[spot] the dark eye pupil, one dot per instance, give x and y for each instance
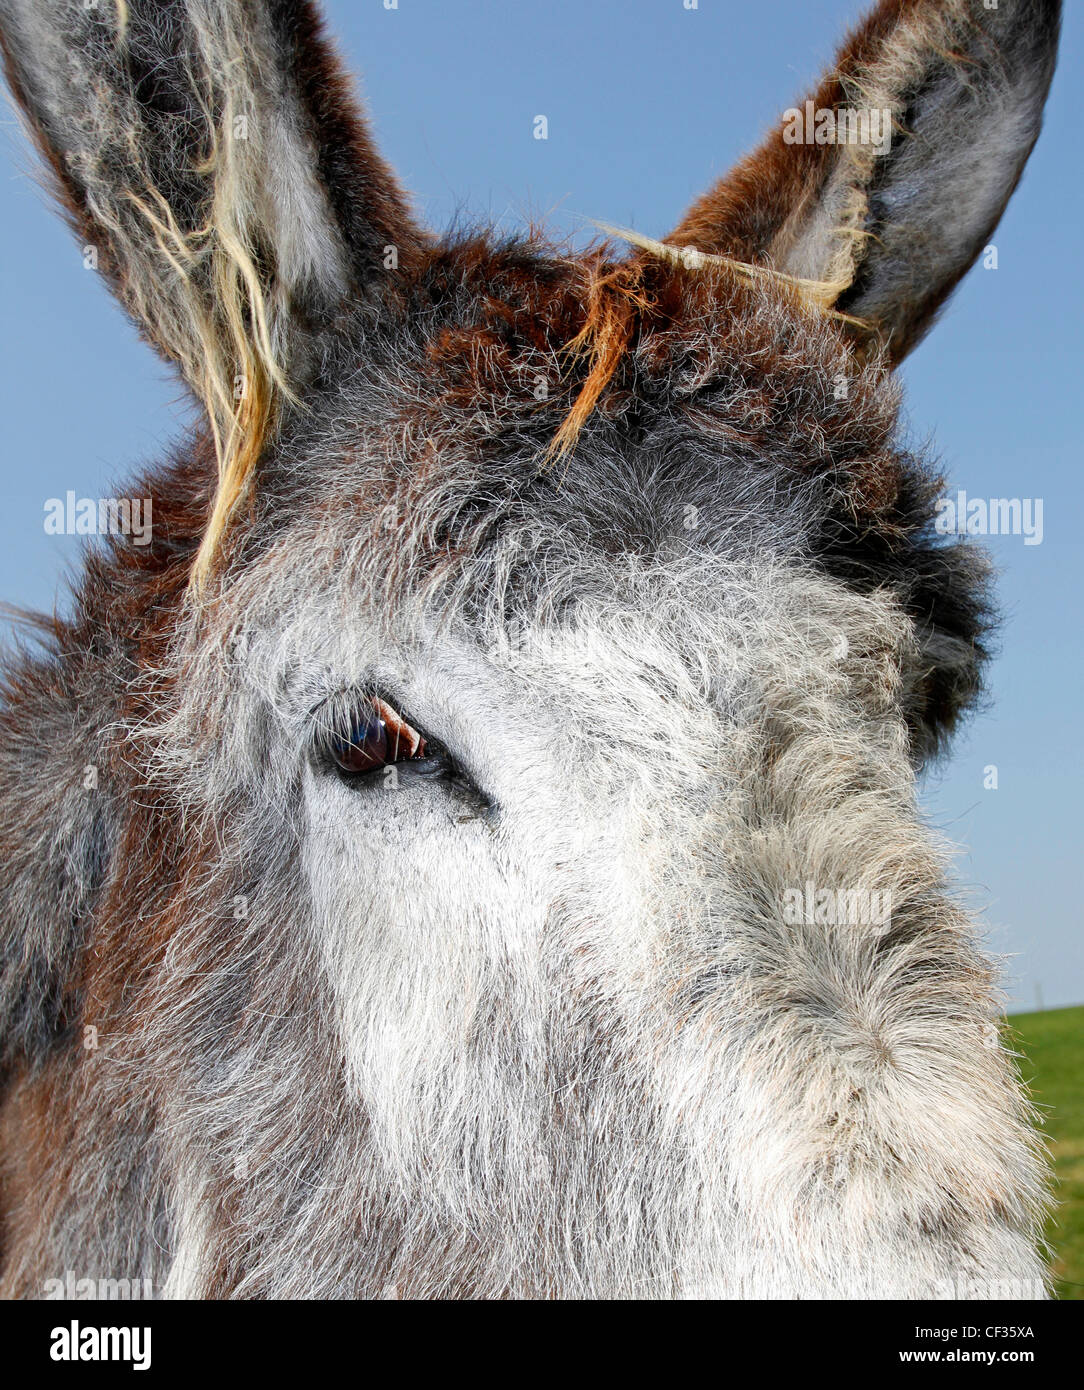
(367, 746)
(378, 735)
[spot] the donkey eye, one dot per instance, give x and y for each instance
(376, 736)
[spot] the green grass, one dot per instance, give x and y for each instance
(1053, 1064)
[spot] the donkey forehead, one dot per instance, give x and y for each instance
(535, 617)
(736, 411)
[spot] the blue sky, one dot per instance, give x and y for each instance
(646, 101)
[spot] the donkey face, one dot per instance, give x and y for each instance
(504, 875)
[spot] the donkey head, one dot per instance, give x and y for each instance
(473, 849)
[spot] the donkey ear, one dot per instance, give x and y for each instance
(887, 183)
(212, 156)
